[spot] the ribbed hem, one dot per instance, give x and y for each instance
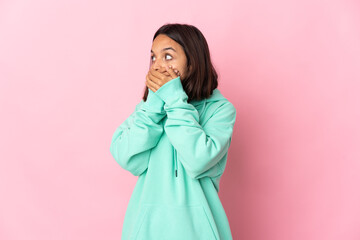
(153, 103)
(171, 91)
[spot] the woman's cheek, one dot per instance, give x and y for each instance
(175, 67)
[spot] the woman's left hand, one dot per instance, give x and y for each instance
(155, 79)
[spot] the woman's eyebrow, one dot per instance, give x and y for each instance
(168, 48)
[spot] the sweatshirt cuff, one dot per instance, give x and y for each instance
(171, 91)
(153, 103)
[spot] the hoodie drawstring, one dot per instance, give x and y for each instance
(175, 162)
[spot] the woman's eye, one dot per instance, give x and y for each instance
(152, 57)
(169, 55)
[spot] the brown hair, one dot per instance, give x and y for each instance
(202, 80)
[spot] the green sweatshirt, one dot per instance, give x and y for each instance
(178, 150)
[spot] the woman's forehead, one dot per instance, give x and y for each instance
(162, 43)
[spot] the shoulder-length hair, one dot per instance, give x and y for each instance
(202, 79)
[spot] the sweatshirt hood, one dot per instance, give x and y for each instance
(215, 96)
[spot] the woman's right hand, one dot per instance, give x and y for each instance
(152, 81)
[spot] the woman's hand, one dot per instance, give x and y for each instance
(155, 79)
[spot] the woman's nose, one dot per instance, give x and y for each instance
(157, 65)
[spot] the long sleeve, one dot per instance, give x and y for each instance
(133, 140)
(200, 147)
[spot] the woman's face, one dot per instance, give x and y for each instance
(166, 52)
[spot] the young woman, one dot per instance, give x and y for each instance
(176, 141)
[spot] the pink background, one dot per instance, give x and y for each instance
(72, 71)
